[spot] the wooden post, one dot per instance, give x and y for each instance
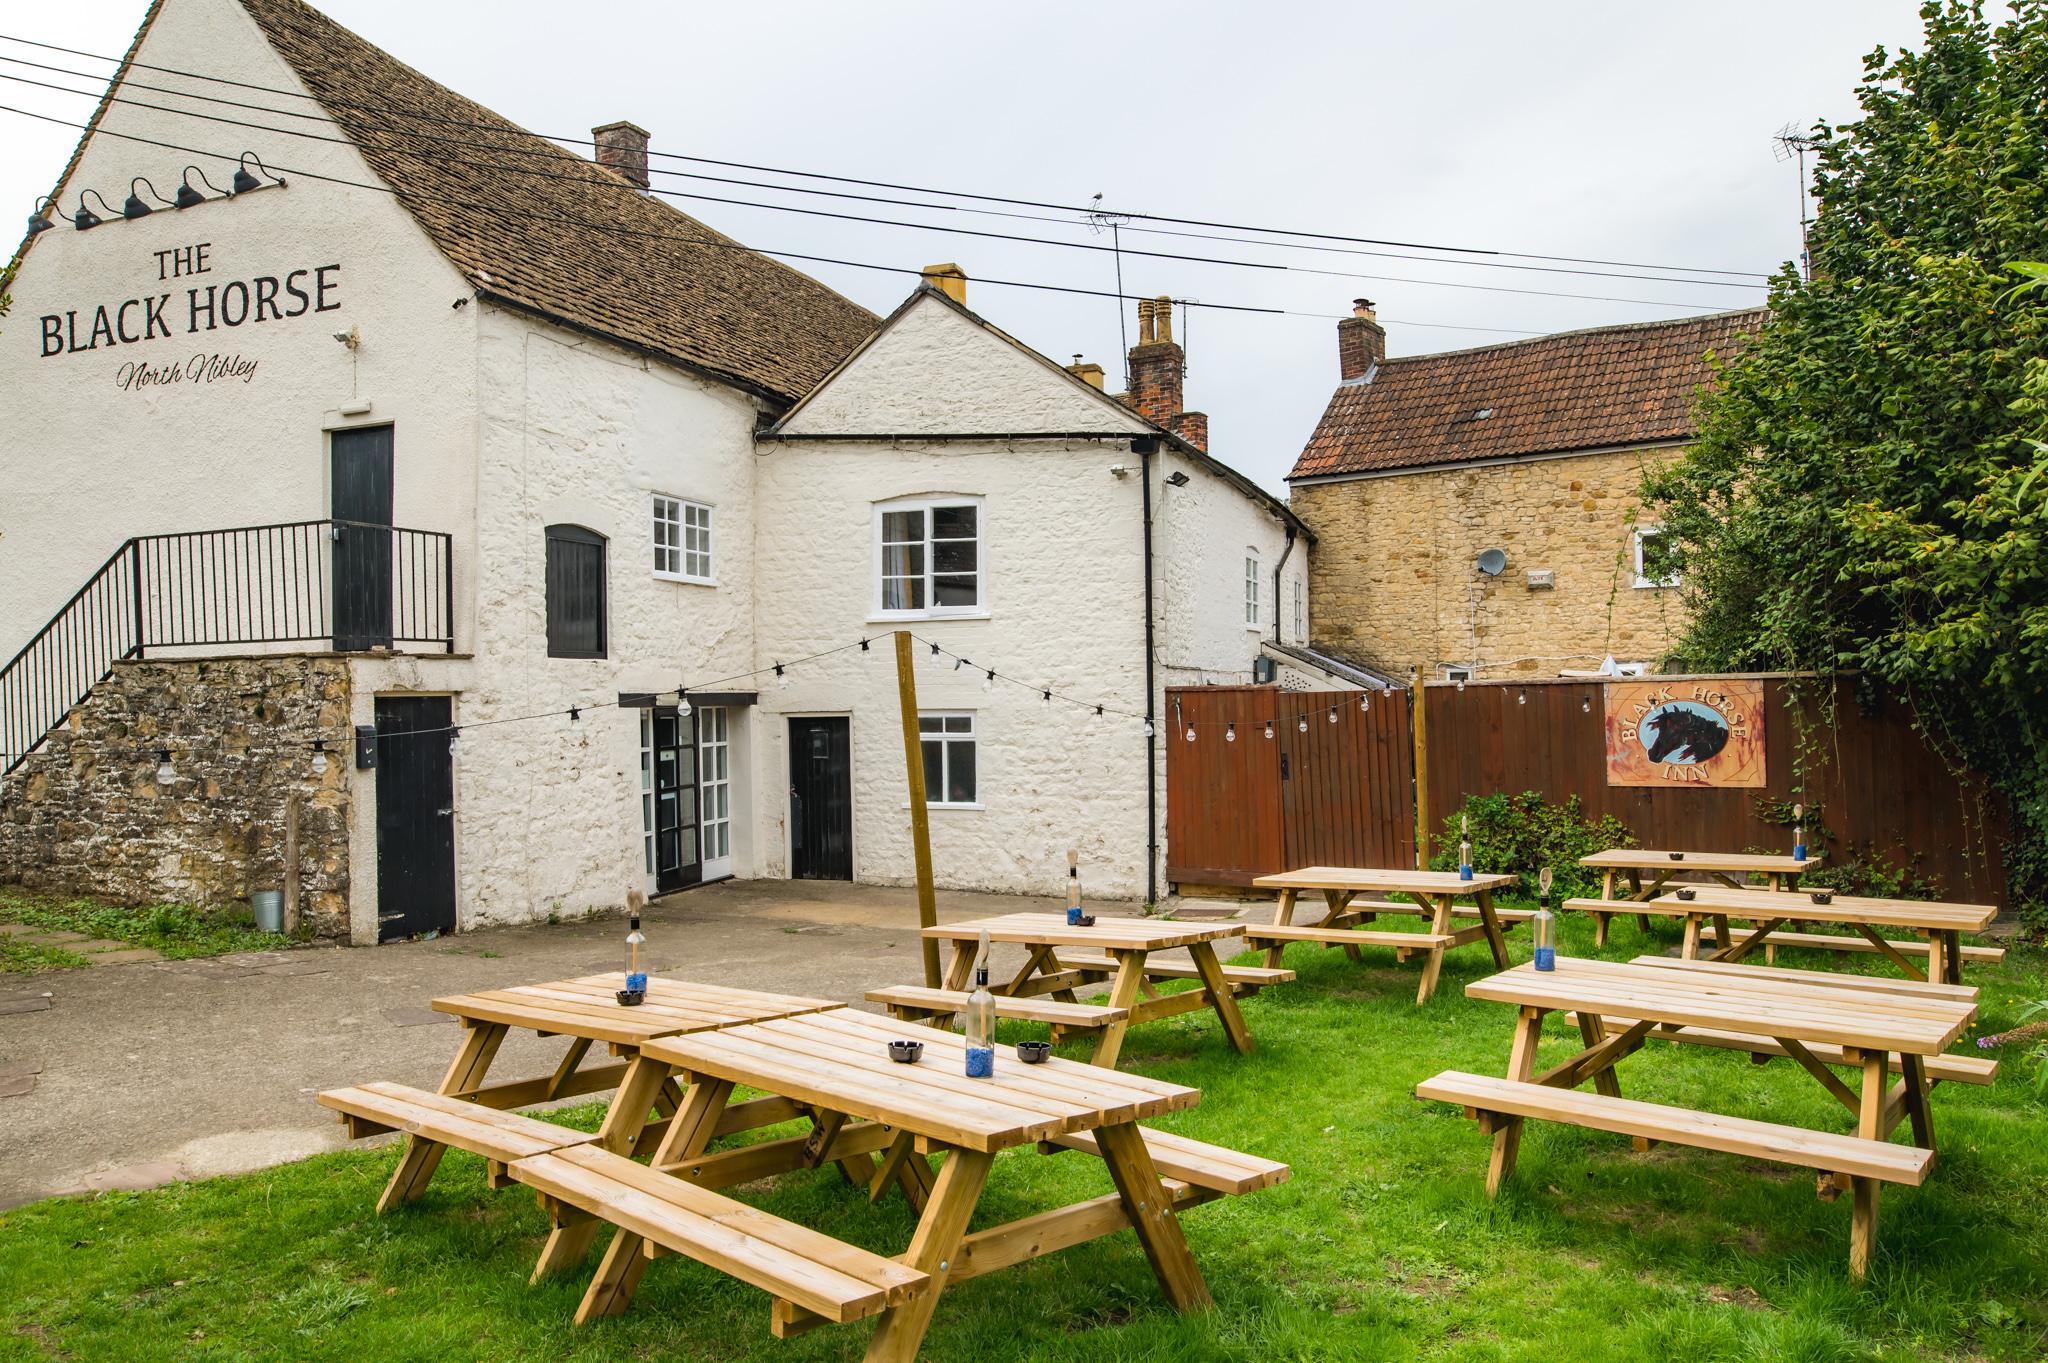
(291, 864)
(1420, 729)
(920, 816)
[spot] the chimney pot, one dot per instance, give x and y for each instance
(1156, 364)
(1361, 341)
(949, 279)
(622, 147)
(1362, 307)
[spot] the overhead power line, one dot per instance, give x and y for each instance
(914, 189)
(711, 242)
(534, 172)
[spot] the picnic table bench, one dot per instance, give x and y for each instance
(1617, 1005)
(835, 1063)
(1708, 912)
(1731, 869)
(1119, 951)
(1428, 894)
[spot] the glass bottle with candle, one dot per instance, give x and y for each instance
(1799, 832)
(1073, 887)
(1545, 924)
(980, 1020)
(636, 968)
(1464, 847)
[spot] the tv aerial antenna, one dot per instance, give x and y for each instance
(1790, 144)
(1102, 220)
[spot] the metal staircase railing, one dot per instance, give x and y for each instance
(347, 585)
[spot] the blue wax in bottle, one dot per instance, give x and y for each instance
(1546, 958)
(637, 982)
(981, 1062)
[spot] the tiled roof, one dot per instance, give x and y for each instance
(1625, 385)
(468, 176)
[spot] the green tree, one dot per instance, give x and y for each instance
(1868, 489)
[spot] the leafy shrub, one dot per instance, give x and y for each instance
(1521, 834)
(1859, 870)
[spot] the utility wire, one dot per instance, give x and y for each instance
(120, 63)
(599, 180)
(617, 230)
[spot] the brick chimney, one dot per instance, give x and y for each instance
(1158, 368)
(1361, 341)
(623, 147)
(949, 279)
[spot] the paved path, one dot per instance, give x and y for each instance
(131, 1075)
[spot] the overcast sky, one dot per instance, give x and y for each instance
(1620, 131)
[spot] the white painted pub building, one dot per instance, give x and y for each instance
(485, 433)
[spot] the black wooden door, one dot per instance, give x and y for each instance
(360, 495)
(415, 817)
(678, 860)
(820, 800)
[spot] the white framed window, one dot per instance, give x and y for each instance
(1645, 535)
(949, 760)
(1457, 674)
(682, 540)
(928, 558)
(1251, 589)
(1300, 611)
(714, 789)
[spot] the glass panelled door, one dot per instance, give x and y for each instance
(714, 771)
(678, 855)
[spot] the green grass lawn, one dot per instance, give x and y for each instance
(1383, 1245)
(174, 930)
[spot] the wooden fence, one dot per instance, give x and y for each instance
(1343, 794)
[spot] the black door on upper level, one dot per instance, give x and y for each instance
(360, 495)
(820, 799)
(415, 817)
(678, 860)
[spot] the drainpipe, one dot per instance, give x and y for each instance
(1277, 569)
(1144, 446)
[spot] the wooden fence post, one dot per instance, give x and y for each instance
(920, 816)
(1420, 728)
(291, 864)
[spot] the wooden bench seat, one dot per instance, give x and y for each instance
(1851, 1155)
(1248, 978)
(827, 1277)
(1353, 937)
(913, 1001)
(1819, 941)
(1197, 1163)
(371, 1109)
(1414, 910)
(1954, 1069)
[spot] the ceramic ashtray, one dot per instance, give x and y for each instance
(1822, 896)
(905, 1052)
(1687, 895)
(1033, 1052)
(632, 998)
(1086, 920)
(1678, 856)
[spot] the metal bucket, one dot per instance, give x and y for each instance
(269, 907)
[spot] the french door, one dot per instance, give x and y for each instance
(714, 777)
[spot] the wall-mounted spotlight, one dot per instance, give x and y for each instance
(85, 219)
(244, 181)
(188, 196)
(135, 207)
(39, 216)
(1177, 479)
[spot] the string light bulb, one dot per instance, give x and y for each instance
(1098, 712)
(1333, 714)
(1045, 699)
(1191, 733)
(683, 700)
(575, 713)
(454, 737)
(1230, 733)
(1303, 725)
(319, 757)
(1150, 732)
(868, 652)
(988, 683)
(1522, 696)
(1364, 701)
(781, 676)
(1586, 704)
(959, 663)
(1461, 683)
(166, 774)
(1269, 728)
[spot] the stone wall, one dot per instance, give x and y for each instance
(86, 814)
(1393, 581)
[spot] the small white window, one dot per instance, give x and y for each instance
(682, 540)
(949, 776)
(1643, 537)
(1457, 674)
(1631, 669)
(1300, 611)
(1251, 589)
(928, 558)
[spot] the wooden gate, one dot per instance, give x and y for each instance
(1331, 786)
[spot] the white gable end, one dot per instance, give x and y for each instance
(935, 371)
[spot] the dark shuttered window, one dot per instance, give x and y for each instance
(575, 592)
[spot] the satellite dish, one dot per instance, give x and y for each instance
(1491, 561)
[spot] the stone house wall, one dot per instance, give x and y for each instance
(86, 815)
(1393, 581)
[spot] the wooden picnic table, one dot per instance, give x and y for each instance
(1055, 966)
(1431, 894)
(1938, 925)
(1872, 1027)
(587, 1011)
(1731, 869)
(835, 1064)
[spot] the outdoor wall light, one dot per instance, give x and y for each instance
(135, 207)
(244, 181)
(85, 219)
(39, 216)
(188, 196)
(1177, 479)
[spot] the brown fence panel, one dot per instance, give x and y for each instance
(1328, 794)
(1882, 788)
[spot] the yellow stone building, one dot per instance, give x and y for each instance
(1476, 510)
